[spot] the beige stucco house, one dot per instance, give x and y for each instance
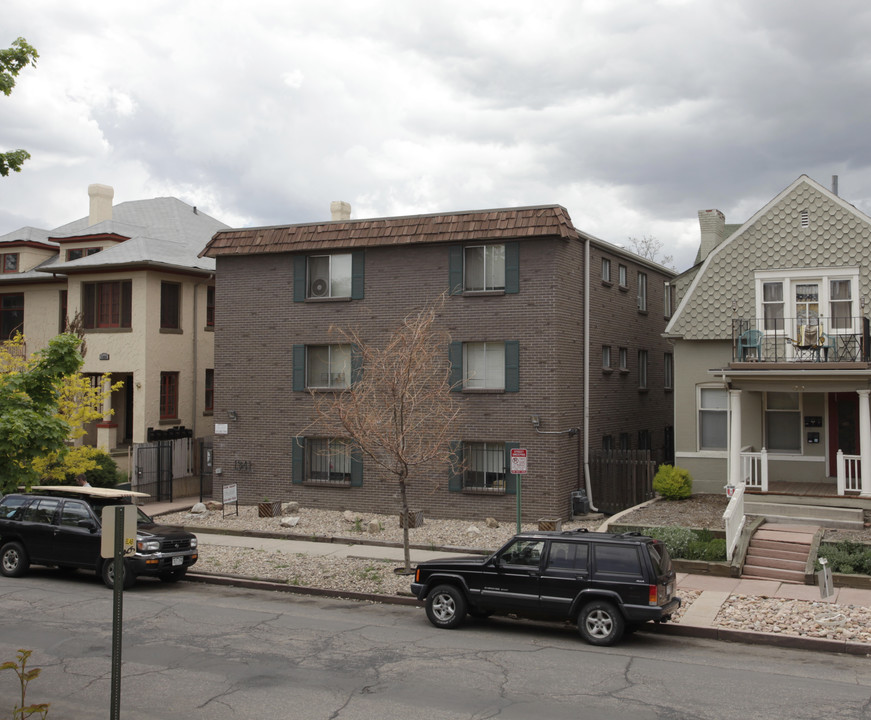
(145, 299)
(771, 349)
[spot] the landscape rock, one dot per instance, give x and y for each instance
(199, 509)
(290, 508)
(492, 522)
(472, 530)
(289, 521)
(373, 527)
(214, 505)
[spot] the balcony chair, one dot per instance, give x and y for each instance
(747, 341)
(809, 341)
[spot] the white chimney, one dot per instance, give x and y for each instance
(101, 203)
(340, 210)
(712, 224)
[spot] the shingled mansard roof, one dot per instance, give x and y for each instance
(501, 224)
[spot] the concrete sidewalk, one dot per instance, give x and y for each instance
(697, 621)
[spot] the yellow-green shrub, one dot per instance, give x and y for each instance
(673, 483)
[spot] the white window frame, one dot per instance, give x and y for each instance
(606, 270)
(642, 291)
(668, 299)
(338, 371)
(488, 376)
(606, 357)
(623, 359)
(668, 371)
(337, 279)
(623, 276)
(711, 410)
(823, 277)
(334, 453)
(795, 413)
(489, 281)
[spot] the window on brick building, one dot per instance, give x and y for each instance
(326, 461)
(668, 371)
(606, 270)
(606, 357)
(642, 292)
(484, 268)
(210, 306)
(642, 369)
(485, 366)
(623, 359)
(623, 276)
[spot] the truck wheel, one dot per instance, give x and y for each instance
(108, 574)
(446, 607)
(13, 560)
(600, 623)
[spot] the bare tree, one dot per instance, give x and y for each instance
(649, 247)
(399, 409)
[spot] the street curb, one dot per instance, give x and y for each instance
(707, 633)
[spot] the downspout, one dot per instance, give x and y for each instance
(586, 440)
(194, 335)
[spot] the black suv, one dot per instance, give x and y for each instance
(60, 526)
(607, 583)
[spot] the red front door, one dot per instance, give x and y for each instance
(843, 427)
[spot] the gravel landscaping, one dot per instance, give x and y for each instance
(772, 615)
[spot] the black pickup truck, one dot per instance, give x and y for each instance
(61, 526)
(607, 583)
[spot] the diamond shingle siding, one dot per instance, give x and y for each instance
(838, 235)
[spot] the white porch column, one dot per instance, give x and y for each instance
(735, 437)
(107, 431)
(865, 440)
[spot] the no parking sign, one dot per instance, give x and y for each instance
(518, 461)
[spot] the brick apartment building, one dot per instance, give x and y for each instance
(537, 312)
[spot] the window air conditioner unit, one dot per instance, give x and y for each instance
(319, 287)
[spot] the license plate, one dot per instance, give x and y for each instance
(177, 560)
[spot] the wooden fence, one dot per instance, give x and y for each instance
(621, 478)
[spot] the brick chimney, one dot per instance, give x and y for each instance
(340, 210)
(712, 224)
(101, 203)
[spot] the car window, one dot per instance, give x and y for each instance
(568, 556)
(523, 552)
(73, 511)
(41, 511)
(659, 557)
(621, 559)
(9, 506)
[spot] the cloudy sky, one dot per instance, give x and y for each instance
(633, 114)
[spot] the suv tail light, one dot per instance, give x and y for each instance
(652, 595)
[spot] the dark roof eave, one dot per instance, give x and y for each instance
(127, 266)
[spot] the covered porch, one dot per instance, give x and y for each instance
(799, 431)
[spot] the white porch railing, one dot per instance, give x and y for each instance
(734, 519)
(849, 476)
(754, 469)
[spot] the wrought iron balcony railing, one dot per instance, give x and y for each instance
(801, 339)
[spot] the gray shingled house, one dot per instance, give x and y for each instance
(772, 353)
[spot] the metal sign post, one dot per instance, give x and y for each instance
(518, 467)
(824, 578)
(118, 539)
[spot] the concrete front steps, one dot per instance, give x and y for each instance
(779, 552)
(796, 513)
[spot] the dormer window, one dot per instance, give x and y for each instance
(77, 253)
(10, 262)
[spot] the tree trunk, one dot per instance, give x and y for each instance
(404, 500)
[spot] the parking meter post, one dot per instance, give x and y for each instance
(117, 614)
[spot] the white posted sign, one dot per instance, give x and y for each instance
(518, 461)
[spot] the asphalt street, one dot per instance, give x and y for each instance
(203, 651)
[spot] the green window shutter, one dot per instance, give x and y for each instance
(510, 479)
(299, 267)
(356, 365)
(356, 467)
(297, 460)
(455, 468)
(455, 269)
(512, 366)
(358, 258)
(455, 355)
(298, 368)
(512, 267)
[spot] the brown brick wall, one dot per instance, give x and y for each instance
(257, 324)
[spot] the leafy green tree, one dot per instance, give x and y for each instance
(30, 425)
(12, 61)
